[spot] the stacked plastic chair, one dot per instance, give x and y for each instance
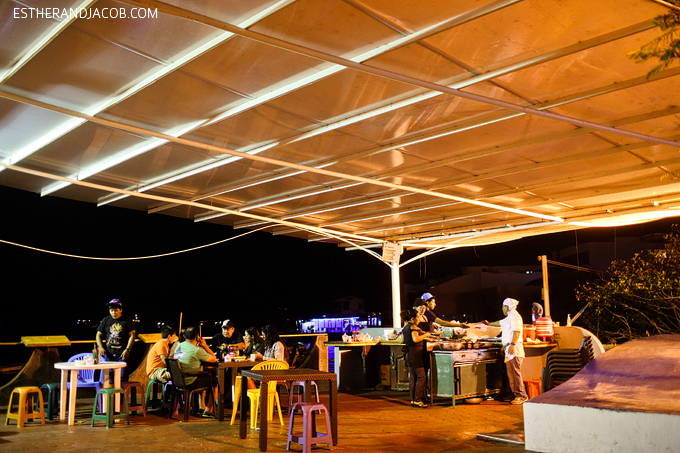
(563, 364)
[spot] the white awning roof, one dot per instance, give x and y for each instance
(426, 123)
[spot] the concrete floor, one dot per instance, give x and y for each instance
(377, 421)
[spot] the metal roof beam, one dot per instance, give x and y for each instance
(276, 162)
(507, 171)
(436, 89)
(316, 76)
(148, 80)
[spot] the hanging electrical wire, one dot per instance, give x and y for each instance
(68, 255)
(578, 268)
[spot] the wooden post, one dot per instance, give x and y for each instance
(546, 290)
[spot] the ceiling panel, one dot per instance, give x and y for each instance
(348, 121)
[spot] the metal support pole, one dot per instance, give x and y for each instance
(546, 290)
(396, 296)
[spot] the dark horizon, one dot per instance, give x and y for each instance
(254, 279)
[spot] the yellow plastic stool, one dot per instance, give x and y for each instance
(25, 411)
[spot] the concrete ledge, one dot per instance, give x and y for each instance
(627, 400)
(571, 429)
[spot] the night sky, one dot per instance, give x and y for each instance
(253, 280)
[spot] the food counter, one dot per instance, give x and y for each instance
(466, 373)
(357, 364)
(456, 374)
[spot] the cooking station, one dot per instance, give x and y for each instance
(466, 373)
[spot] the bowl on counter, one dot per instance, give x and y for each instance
(451, 345)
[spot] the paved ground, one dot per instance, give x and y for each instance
(368, 422)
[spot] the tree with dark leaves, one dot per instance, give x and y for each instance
(636, 297)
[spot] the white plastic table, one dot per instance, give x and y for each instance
(65, 367)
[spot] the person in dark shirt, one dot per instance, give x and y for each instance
(415, 339)
(228, 337)
(116, 334)
(254, 340)
(433, 319)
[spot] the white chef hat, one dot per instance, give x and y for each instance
(511, 303)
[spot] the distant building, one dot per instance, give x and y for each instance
(344, 316)
(476, 295)
(599, 255)
(347, 306)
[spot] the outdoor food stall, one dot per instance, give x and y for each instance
(465, 363)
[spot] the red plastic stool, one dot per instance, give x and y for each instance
(134, 390)
(309, 435)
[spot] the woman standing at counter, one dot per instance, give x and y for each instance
(414, 339)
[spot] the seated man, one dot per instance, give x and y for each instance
(228, 337)
(190, 353)
(156, 368)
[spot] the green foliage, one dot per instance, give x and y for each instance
(666, 48)
(637, 297)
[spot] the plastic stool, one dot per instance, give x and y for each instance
(110, 414)
(52, 399)
(25, 410)
(131, 390)
(533, 387)
(309, 435)
(298, 385)
(152, 401)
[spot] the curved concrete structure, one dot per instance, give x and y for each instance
(626, 400)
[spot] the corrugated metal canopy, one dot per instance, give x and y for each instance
(351, 121)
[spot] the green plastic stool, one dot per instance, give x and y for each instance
(111, 413)
(152, 400)
(52, 399)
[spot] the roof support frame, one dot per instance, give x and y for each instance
(521, 168)
(435, 88)
(440, 132)
(151, 78)
(277, 162)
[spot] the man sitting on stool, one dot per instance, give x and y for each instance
(156, 368)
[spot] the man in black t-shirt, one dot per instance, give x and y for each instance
(118, 332)
(228, 337)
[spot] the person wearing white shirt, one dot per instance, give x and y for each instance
(513, 348)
